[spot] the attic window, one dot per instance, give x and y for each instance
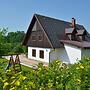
(33, 38)
(81, 34)
(73, 37)
(40, 38)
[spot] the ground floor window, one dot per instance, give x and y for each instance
(41, 54)
(33, 52)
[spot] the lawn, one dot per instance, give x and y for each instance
(4, 63)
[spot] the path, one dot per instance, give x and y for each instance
(26, 62)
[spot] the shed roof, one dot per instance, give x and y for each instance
(83, 44)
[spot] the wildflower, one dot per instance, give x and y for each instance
(24, 77)
(8, 70)
(40, 88)
(39, 69)
(13, 82)
(12, 77)
(4, 81)
(62, 76)
(12, 88)
(26, 89)
(78, 81)
(58, 63)
(57, 77)
(77, 68)
(5, 84)
(82, 67)
(17, 83)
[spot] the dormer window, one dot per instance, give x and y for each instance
(73, 37)
(71, 32)
(81, 34)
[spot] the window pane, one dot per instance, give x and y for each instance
(33, 52)
(33, 37)
(41, 55)
(40, 38)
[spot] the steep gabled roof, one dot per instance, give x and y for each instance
(54, 29)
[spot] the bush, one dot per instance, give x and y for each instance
(57, 76)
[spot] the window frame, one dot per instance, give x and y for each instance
(34, 39)
(33, 52)
(41, 54)
(40, 39)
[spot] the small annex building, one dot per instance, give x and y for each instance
(51, 39)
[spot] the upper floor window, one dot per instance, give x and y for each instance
(40, 38)
(33, 38)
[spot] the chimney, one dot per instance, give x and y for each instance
(73, 23)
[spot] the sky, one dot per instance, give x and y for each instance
(17, 14)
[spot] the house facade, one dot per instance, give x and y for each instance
(51, 39)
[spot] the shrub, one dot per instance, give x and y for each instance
(57, 76)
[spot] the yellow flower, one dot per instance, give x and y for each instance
(12, 88)
(56, 61)
(39, 69)
(24, 77)
(4, 81)
(8, 70)
(77, 68)
(13, 82)
(12, 77)
(5, 84)
(82, 67)
(40, 88)
(26, 88)
(78, 81)
(17, 83)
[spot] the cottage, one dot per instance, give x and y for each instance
(50, 39)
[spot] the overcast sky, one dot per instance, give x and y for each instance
(17, 14)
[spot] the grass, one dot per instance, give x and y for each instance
(4, 63)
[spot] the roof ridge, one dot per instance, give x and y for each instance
(55, 19)
(51, 18)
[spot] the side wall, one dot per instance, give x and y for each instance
(73, 52)
(46, 54)
(59, 54)
(86, 52)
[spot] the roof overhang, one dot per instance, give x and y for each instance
(83, 44)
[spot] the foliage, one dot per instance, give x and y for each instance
(10, 42)
(56, 76)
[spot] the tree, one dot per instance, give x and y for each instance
(15, 37)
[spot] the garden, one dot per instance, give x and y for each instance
(57, 76)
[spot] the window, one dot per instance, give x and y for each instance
(41, 54)
(33, 52)
(73, 37)
(33, 38)
(40, 38)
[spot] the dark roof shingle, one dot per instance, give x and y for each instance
(54, 27)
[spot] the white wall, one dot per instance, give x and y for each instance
(46, 54)
(73, 52)
(59, 54)
(86, 52)
(70, 54)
